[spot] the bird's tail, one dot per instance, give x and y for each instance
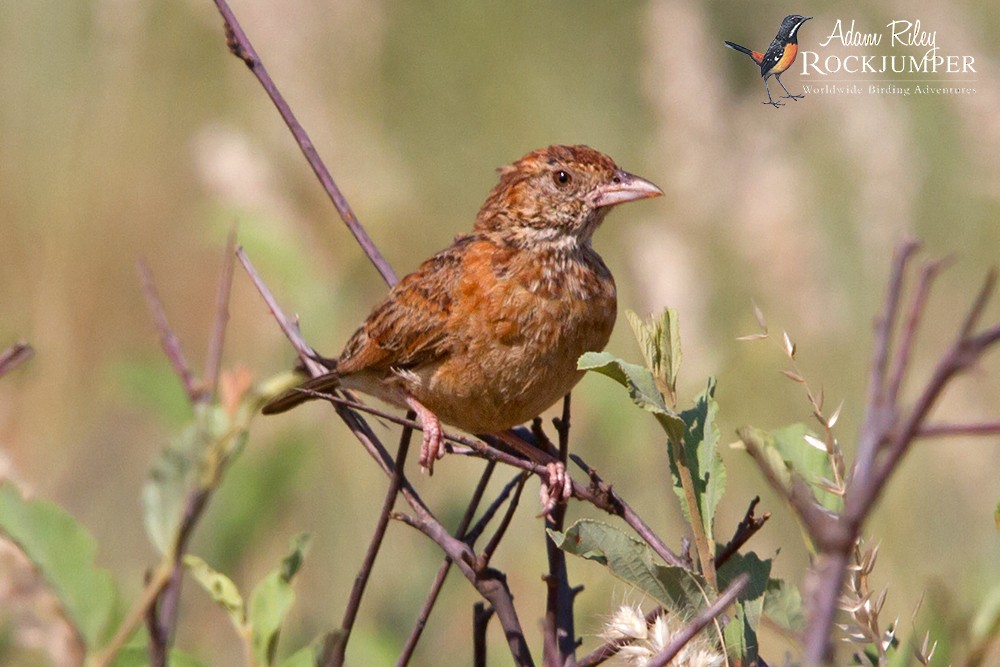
(307, 391)
(757, 57)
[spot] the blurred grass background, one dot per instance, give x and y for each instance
(128, 131)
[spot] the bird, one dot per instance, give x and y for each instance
(779, 55)
(485, 335)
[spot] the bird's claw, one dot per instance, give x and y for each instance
(432, 445)
(557, 489)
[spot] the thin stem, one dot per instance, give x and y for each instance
(600, 494)
(559, 627)
(487, 553)
(957, 430)
(241, 47)
(361, 580)
(213, 359)
(916, 310)
(425, 611)
(168, 340)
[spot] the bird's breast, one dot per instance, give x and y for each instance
(524, 318)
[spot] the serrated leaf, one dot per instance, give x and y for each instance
(701, 453)
(220, 587)
(64, 554)
(641, 387)
(660, 343)
(632, 561)
(271, 601)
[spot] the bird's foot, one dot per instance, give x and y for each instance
(774, 103)
(557, 489)
(432, 445)
(793, 97)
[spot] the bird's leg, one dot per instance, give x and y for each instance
(431, 448)
(794, 97)
(769, 99)
(559, 486)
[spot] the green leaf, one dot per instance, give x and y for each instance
(222, 589)
(740, 634)
(783, 605)
(170, 481)
(271, 601)
(632, 561)
(196, 458)
(641, 387)
(751, 564)
(701, 455)
(64, 554)
(660, 342)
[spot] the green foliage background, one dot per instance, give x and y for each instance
(127, 131)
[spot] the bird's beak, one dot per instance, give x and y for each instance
(624, 187)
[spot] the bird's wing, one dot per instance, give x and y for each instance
(408, 329)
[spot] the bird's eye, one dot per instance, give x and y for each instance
(561, 177)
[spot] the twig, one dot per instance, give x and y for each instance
(361, 580)
(13, 356)
(708, 615)
(241, 47)
(477, 530)
(481, 615)
(491, 546)
(746, 529)
(291, 331)
(445, 567)
(168, 340)
(600, 494)
(916, 310)
(559, 630)
(213, 359)
(956, 430)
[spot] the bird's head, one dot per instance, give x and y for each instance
(790, 26)
(557, 194)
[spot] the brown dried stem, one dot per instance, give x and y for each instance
(241, 47)
(374, 545)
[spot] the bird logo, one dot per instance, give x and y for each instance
(779, 55)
